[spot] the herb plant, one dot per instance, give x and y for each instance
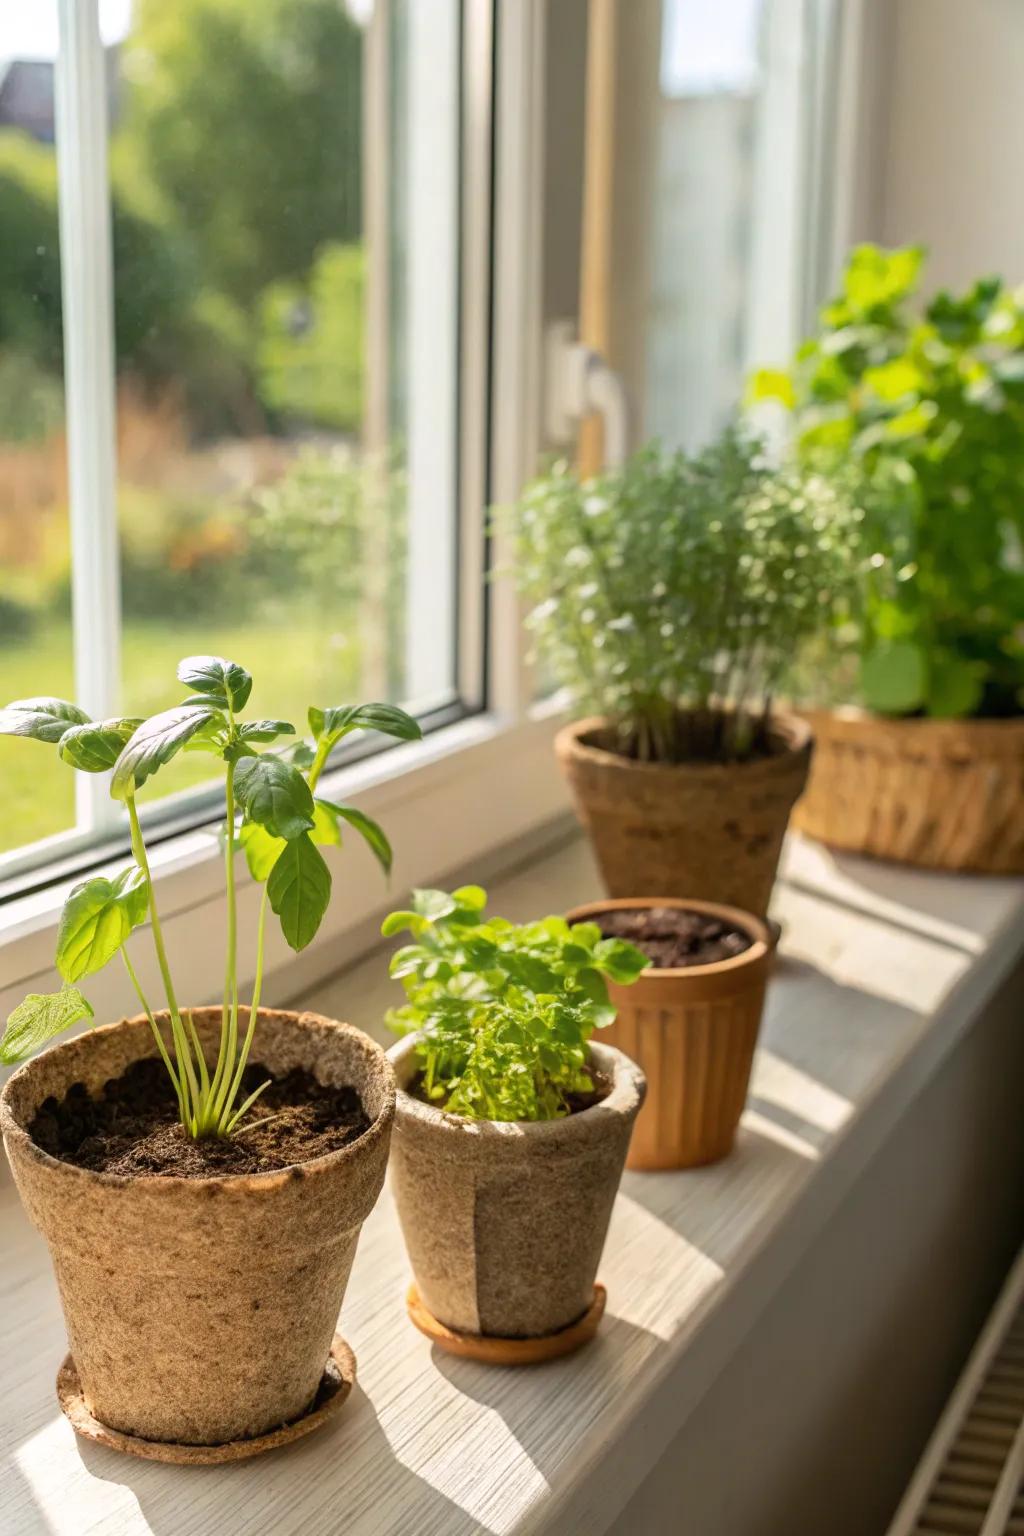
(504, 1010)
(929, 409)
(273, 815)
(671, 593)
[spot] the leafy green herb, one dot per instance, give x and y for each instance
(928, 411)
(670, 594)
(504, 1011)
(272, 816)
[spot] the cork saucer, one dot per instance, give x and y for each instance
(336, 1384)
(496, 1351)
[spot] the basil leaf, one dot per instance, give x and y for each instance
(215, 675)
(36, 1020)
(261, 849)
(266, 730)
(276, 795)
(44, 719)
(97, 918)
(156, 741)
(369, 831)
(95, 747)
(299, 889)
(386, 718)
(433, 905)
(893, 677)
(326, 831)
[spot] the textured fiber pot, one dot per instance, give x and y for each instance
(202, 1310)
(505, 1222)
(693, 1031)
(941, 794)
(670, 829)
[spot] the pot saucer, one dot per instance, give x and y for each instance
(496, 1351)
(335, 1386)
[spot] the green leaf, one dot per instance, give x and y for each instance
(276, 795)
(398, 922)
(214, 675)
(44, 719)
(299, 889)
(266, 730)
(97, 918)
(95, 747)
(893, 678)
(155, 742)
(955, 687)
(473, 897)
(386, 718)
(326, 832)
(621, 961)
(770, 384)
(261, 849)
(372, 834)
(40, 1017)
(433, 905)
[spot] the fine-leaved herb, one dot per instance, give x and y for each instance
(671, 594)
(504, 1010)
(929, 409)
(274, 816)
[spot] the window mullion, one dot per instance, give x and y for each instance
(87, 292)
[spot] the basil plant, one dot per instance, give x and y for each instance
(273, 815)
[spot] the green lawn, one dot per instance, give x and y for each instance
(294, 665)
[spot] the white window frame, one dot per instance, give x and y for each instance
(467, 789)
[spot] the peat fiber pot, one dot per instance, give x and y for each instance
(505, 1221)
(693, 1030)
(666, 829)
(202, 1311)
(941, 794)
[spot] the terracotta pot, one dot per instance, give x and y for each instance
(659, 829)
(505, 1222)
(940, 794)
(693, 1031)
(202, 1310)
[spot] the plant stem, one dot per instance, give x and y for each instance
(229, 1010)
(318, 764)
(156, 1033)
(186, 1071)
(254, 1008)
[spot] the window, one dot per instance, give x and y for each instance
(231, 376)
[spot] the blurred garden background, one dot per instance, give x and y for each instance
(245, 497)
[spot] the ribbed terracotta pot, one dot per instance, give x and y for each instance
(693, 1030)
(673, 829)
(202, 1311)
(940, 794)
(505, 1222)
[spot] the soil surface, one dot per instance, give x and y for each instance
(132, 1128)
(673, 938)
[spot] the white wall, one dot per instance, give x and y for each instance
(952, 153)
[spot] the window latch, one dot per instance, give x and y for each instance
(577, 382)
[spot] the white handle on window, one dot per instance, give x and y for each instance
(578, 380)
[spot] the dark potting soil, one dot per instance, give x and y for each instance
(132, 1128)
(673, 938)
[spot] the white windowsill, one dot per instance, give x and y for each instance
(881, 972)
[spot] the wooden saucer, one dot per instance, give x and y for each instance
(335, 1386)
(495, 1351)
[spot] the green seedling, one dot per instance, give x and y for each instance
(273, 815)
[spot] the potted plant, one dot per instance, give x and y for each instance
(927, 411)
(200, 1175)
(512, 1123)
(690, 1021)
(670, 595)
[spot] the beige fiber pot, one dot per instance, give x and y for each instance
(941, 794)
(202, 1311)
(663, 829)
(505, 1221)
(693, 1030)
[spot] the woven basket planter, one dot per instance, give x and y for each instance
(693, 1032)
(940, 794)
(712, 830)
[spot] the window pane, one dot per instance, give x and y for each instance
(286, 333)
(35, 619)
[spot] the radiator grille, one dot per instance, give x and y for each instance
(971, 1479)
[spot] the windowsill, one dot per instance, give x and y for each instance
(881, 971)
